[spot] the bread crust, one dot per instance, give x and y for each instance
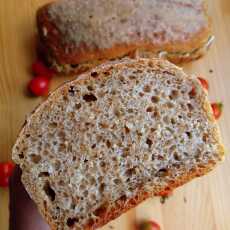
(51, 39)
(123, 204)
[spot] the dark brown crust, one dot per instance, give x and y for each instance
(123, 205)
(53, 45)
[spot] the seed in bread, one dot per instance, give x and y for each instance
(125, 131)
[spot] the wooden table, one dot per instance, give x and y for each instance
(203, 204)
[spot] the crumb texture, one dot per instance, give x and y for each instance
(95, 23)
(126, 127)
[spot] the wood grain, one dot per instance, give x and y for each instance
(203, 204)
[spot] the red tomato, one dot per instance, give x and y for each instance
(39, 86)
(204, 83)
(6, 169)
(149, 225)
(217, 109)
(4, 182)
(40, 69)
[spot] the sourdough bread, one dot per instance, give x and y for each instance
(74, 32)
(119, 134)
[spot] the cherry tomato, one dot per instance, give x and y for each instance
(39, 69)
(39, 86)
(6, 169)
(149, 225)
(217, 109)
(204, 83)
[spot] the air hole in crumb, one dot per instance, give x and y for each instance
(190, 107)
(149, 109)
(65, 98)
(189, 134)
(117, 181)
(130, 171)
(85, 193)
(174, 94)
(141, 94)
(155, 99)
(169, 105)
(102, 187)
(74, 65)
(176, 156)
(61, 183)
(147, 88)
(108, 144)
(130, 110)
(43, 174)
(123, 198)
(71, 90)
(205, 137)
(89, 97)
(49, 191)
(35, 158)
(166, 120)
(127, 130)
(149, 142)
(160, 158)
(186, 154)
(100, 178)
(53, 125)
(54, 142)
(73, 206)
(21, 155)
(93, 146)
(90, 88)
(162, 172)
(102, 164)
(153, 130)
(100, 211)
(93, 196)
(57, 165)
(117, 112)
(92, 181)
(77, 106)
(71, 222)
(86, 160)
(173, 121)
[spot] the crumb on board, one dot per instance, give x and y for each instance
(163, 199)
(185, 199)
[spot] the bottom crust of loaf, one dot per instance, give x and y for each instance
(174, 57)
(123, 204)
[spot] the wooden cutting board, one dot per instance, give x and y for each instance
(203, 204)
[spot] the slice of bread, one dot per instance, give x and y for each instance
(76, 35)
(125, 131)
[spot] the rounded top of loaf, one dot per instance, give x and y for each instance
(105, 23)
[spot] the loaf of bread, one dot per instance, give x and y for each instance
(115, 136)
(76, 35)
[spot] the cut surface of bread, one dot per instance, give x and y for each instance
(121, 133)
(74, 32)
